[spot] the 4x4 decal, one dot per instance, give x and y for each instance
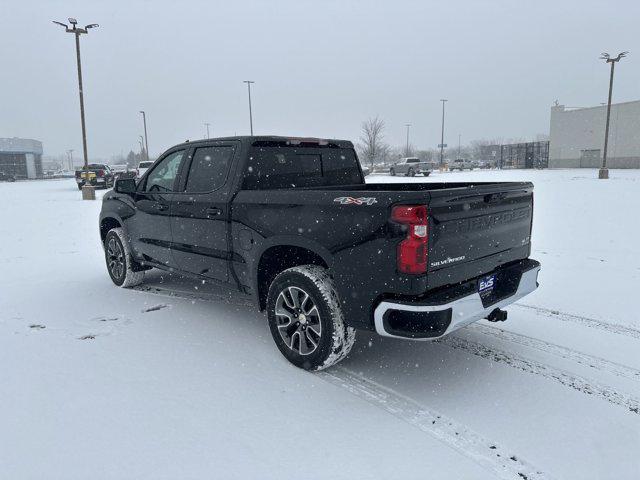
(356, 201)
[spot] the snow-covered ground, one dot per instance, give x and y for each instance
(177, 379)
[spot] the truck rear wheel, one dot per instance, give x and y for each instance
(306, 319)
(123, 270)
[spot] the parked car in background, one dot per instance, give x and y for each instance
(409, 167)
(98, 175)
(461, 164)
(123, 171)
(5, 177)
(143, 167)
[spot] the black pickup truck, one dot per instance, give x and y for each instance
(292, 222)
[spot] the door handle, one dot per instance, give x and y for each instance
(160, 206)
(213, 212)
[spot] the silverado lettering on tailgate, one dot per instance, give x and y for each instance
(487, 221)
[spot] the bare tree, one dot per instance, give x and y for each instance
(371, 146)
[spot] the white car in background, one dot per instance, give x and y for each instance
(461, 164)
(409, 167)
(143, 167)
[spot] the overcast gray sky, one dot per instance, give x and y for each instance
(320, 67)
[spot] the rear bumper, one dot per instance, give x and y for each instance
(432, 318)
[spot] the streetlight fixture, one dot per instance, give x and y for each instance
(88, 190)
(146, 139)
(604, 171)
(443, 100)
(207, 125)
(249, 82)
(408, 125)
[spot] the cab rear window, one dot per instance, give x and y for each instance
(274, 167)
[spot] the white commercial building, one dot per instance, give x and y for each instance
(577, 136)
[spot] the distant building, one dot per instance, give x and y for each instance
(21, 157)
(577, 136)
(517, 155)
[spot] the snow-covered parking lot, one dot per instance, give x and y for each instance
(178, 379)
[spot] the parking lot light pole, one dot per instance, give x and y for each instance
(207, 125)
(443, 100)
(146, 139)
(604, 171)
(408, 125)
(249, 82)
(88, 190)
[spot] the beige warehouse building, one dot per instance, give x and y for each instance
(577, 136)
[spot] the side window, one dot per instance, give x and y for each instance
(163, 176)
(208, 169)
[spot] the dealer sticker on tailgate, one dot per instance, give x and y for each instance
(486, 285)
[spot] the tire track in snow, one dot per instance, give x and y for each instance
(576, 382)
(490, 455)
(580, 358)
(586, 321)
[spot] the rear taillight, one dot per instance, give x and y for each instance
(412, 251)
(100, 173)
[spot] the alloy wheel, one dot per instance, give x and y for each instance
(115, 258)
(298, 320)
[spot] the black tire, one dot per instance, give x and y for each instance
(411, 173)
(80, 187)
(308, 327)
(392, 172)
(123, 269)
(426, 174)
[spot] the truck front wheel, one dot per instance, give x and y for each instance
(306, 319)
(123, 269)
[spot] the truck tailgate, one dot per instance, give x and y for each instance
(479, 224)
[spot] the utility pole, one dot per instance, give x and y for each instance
(406, 152)
(604, 171)
(443, 100)
(146, 139)
(459, 137)
(249, 82)
(207, 125)
(88, 190)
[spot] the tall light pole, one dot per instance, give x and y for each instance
(207, 125)
(141, 142)
(88, 190)
(249, 82)
(406, 152)
(70, 158)
(604, 171)
(443, 100)
(146, 139)
(459, 140)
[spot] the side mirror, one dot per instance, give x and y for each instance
(125, 185)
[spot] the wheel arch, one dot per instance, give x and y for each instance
(274, 259)
(107, 223)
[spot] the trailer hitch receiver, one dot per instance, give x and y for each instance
(497, 315)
